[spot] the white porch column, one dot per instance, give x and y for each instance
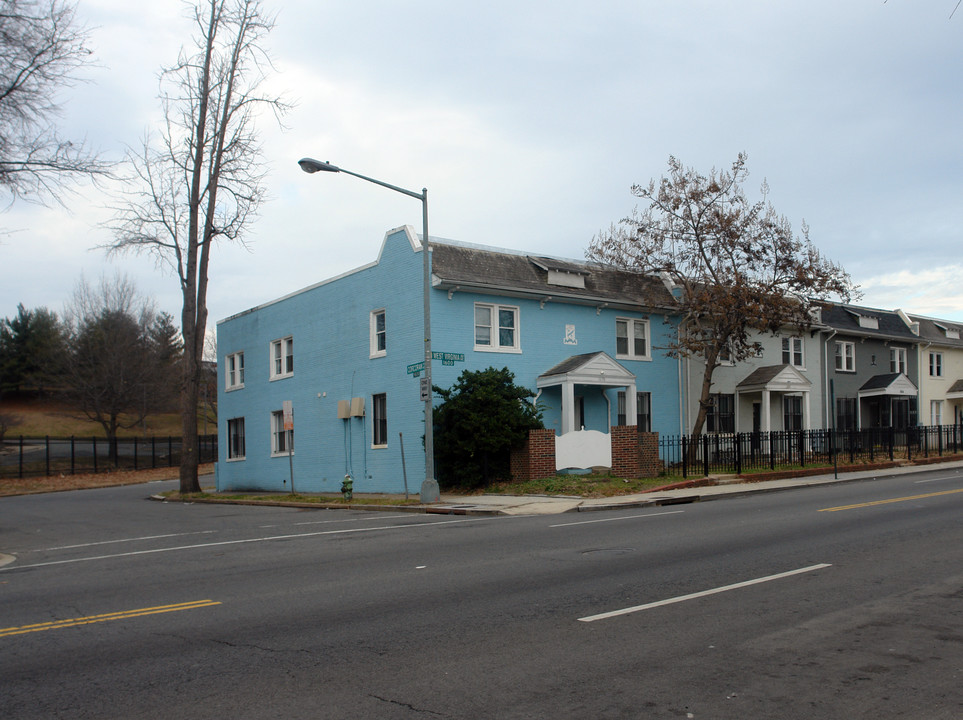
(631, 405)
(805, 409)
(766, 412)
(568, 407)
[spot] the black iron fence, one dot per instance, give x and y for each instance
(737, 453)
(33, 457)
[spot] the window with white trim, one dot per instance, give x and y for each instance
(936, 364)
(379, 420)
(632, 339)
(235, 439)
(845, 356)
(281, 439)
(282, 358)
(936, 412)
(379, 337)
(496, 328)
(234, 373)
(792, 351)
(897, 360)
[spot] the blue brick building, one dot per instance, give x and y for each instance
(339, 355)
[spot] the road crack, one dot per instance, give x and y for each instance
(406, 705)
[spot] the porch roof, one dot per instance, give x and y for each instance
(888, 384)
(956, 391)
(596, 368)
(775, 378)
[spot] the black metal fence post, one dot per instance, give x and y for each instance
(705, 456)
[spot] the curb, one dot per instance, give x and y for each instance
(426, 509)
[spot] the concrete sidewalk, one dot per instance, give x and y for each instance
(549, 505)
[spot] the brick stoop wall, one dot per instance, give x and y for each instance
(535, 459)
(634, 454)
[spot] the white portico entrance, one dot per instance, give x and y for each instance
(576, 447)
(776, 390)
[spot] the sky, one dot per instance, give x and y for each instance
(529, 121)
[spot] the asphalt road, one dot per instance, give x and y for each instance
(843, 601)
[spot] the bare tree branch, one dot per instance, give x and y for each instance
(42, 47)
(741, 268)
(201, 178)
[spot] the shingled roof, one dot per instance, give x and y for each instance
(491, 271)
(940, 332)
(854, 320)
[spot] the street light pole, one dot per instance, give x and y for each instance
(429, 487)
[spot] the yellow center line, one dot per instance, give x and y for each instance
(891, 500)
(122, 615)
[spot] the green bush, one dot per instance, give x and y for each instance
(482, 417)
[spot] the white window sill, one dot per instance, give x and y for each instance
(379, 354)
(640, 358)
(236, 459)
(232, 388)
(489, 349)
(281, 377)
(281, 454)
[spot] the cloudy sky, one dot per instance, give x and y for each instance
(528, 121)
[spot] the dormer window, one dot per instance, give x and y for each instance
(951, 333)
(865, 321)
(561, 273)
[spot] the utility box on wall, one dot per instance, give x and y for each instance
(344, 409)
(357, 407)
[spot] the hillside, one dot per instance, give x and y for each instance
(39, 417)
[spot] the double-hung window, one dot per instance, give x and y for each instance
(235, 439)
(379, 420)
(897, 360)
(792, 351)
(632, 339)
(496, 328)
(936, 364)
(282, 358)
(379, 337)
(281, 440)
(235, 371)
(845, 356)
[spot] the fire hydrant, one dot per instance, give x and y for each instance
(347, 487)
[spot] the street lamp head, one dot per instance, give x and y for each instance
(313, 166)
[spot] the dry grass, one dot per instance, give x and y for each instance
(42, 417)
(57, 483)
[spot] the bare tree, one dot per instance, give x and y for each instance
(738, 265)
(202, 180)
(41, 49)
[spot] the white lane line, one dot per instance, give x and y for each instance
(704, 593)
(354, 519)
(241, 542)
(624, 517)
(124, 540)
(936, 479)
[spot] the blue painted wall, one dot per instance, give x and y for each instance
(329, 323)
